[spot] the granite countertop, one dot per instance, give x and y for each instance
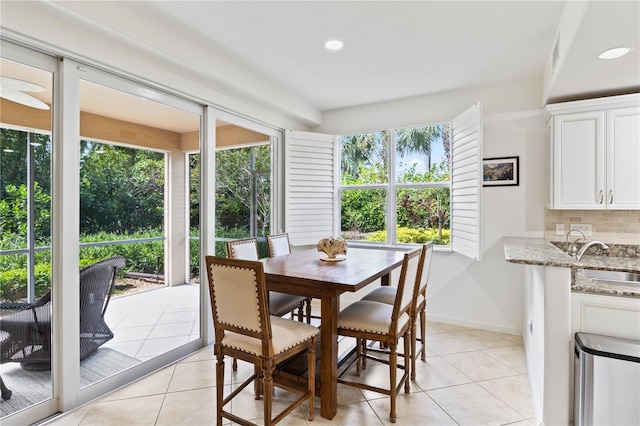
(581, 283)
(537, 251)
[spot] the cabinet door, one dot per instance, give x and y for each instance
(607, 315)
(623, 158)
(579, 151)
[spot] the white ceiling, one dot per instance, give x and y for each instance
(393, 49)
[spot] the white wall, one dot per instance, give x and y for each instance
(486, 294)
(52, 28)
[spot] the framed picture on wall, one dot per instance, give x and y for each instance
(501, 171)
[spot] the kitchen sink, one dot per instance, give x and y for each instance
(630, 279)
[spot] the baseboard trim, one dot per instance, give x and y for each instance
(475, 324)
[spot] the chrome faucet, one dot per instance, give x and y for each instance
(586, 246)
(573, 248)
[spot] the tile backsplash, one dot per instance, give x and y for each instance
(608, 226)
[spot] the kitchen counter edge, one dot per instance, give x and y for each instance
(537, 251)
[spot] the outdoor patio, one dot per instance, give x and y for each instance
(152, 322)
(145, 324)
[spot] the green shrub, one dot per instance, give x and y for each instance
(13, 285)
(362, 210)
(413, 236)
(147, 257)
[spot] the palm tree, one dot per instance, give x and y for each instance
(362, 149)
(416, 140)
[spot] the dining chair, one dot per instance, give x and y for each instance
(280, 304)
(254, 336)
(367, 320)
(386, 294)
(279, 245)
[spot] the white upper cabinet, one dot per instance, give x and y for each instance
(623, 158)
(595, 154)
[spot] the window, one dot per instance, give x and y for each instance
(26, 145)
(386, 186)
(395, 185)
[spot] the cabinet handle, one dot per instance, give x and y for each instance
(601, 196)
(611, 196)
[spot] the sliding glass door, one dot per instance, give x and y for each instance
(94, 226)
(133, 172)
(26, 81)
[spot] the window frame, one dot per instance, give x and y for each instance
(391, 187)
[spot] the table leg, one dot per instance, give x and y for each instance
(385, 279)
(329, 356)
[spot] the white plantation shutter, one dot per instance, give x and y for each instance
(310, 189)
(466, 182)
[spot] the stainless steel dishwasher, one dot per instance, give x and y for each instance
(606, 380)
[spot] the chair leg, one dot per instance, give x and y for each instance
(234, 364)
(308, 310)
(413, 348)
(359, 355)
(423, 333)
(257, 383)
(311, 374)
(393, 363)
(219, 389)
(408, 340)
(301, 312)
(364, 354)
(267, 384)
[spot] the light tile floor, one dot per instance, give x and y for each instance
(470, 377)
(150, 323)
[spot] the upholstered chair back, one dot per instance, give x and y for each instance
(407, 283)
(246, 249)
(278, 245)
(234, 286)
(426, 266)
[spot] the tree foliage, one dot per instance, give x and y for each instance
(13, 217)
(364, 163)
(363, 152)
(241, 175)
(121, 189)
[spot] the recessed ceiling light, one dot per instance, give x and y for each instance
(614, 53)
(334, 45)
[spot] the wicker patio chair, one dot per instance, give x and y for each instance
(26, 333)
(4, 391)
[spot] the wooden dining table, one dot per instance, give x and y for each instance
(305, 273)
